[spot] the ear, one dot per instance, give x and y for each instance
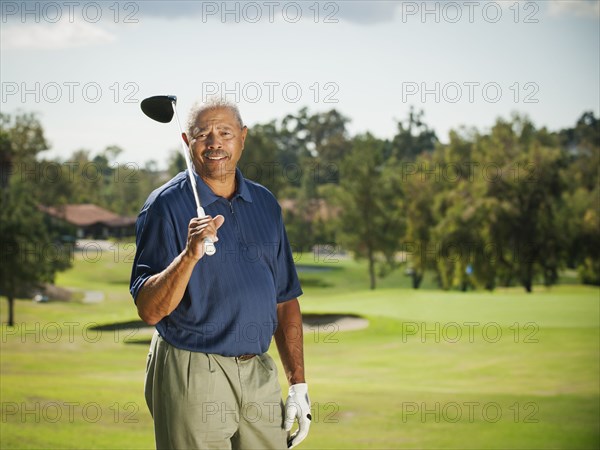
(243, 135)
(185, 139)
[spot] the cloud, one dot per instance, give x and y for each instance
(579, 8)
(360, 12)
(367, 12)
(55, 36)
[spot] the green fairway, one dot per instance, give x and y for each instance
(433, 369)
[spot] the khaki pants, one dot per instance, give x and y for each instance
(205, 401)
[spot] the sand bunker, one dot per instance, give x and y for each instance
(137, 332)
(341, 322)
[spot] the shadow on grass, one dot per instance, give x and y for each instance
(308, 320)
(314, 282)
(307, 268)
(129, 325)
(132, 324)
(313, 319)
(145, 341)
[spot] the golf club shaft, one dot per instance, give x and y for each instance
(209, 246)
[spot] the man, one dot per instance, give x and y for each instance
(209, 381)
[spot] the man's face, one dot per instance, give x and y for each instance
(216, 143)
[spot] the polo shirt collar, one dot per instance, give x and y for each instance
(242, 190)
(207, 196)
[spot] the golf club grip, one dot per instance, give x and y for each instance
(209, 247)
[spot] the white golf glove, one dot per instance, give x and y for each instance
(297, 406)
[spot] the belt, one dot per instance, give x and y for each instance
(244, 357)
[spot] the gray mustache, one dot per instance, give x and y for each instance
(214, 154)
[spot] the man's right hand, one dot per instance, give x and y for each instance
(200, 229)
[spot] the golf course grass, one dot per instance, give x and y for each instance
(434, 369)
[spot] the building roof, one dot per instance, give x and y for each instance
(86, 214)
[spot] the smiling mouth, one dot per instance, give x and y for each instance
(215, 157)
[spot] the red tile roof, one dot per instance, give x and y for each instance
(85, 215)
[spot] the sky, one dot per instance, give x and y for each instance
(84, 67)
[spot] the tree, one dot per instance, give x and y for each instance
(508, 199)
(580, 215)
(371, 211)
(261, 158)
(460, 214)
(319, 141)
(419, 209)
(176, 162)
(488, 207)
(31, 254)
(413, 137)
(30, 251)
(525, 200)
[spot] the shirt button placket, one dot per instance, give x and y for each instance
(238, 231)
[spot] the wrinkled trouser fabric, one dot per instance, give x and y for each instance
(206, 401)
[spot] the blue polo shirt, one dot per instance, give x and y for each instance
(230, 304)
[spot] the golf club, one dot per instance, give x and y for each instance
(162, 108)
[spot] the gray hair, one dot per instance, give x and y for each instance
(212, 103)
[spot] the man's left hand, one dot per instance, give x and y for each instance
(297, 407)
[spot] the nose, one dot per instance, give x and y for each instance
(213, 141)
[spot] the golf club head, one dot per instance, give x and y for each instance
(159, 107)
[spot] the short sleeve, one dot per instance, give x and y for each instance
(287, 283)
(155, 248)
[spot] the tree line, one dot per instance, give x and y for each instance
(511, 205)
